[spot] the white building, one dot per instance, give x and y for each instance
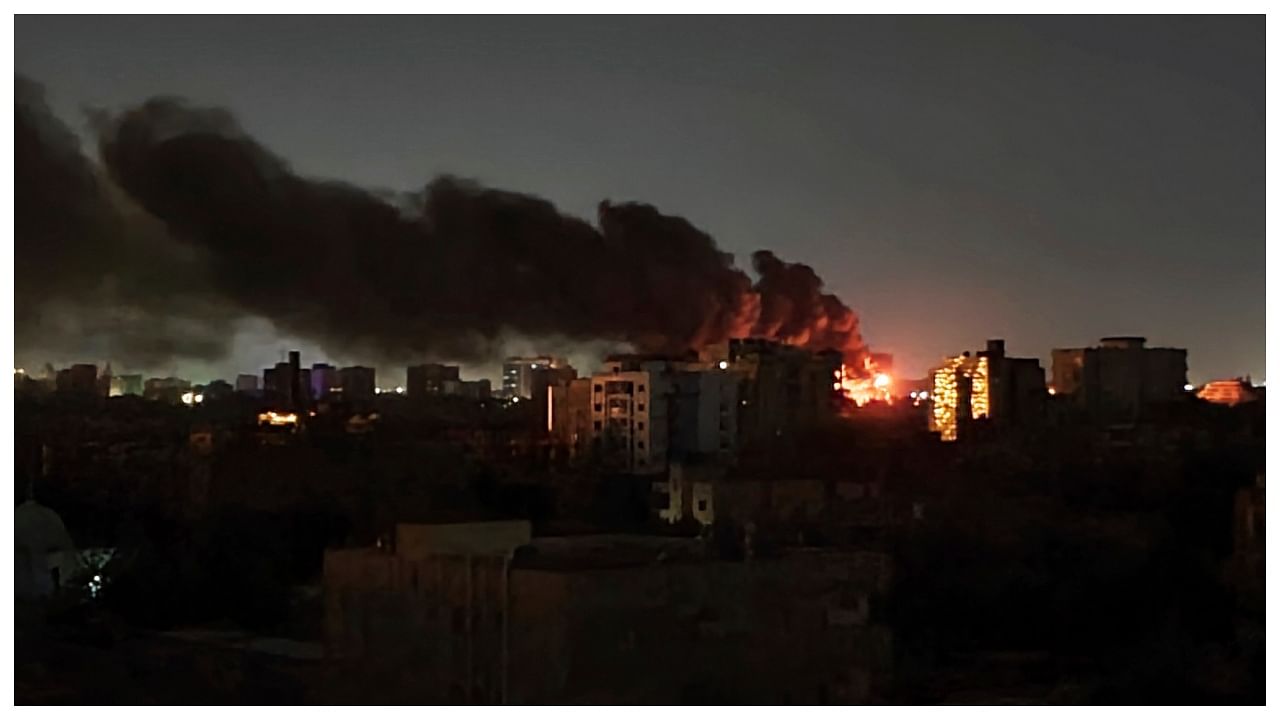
(629, 419)
(46, 559)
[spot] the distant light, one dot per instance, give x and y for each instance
(199, 398)
(924, 395)
(515, 399)
(377, 391)
(914, 394)
(97, 578)
(724, 364)
(533, 366)
(19, 371)
(1053, 391)
(399, 389)
(881, 381)
(188, 398)
(1188, 387)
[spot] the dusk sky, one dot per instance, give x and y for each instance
(1049, 181)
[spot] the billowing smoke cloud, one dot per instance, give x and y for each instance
(93, 272)
(444, 272)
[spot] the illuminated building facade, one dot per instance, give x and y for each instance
(126, 385)
(518, 374)
(960, 392)
(1228, 392)
(987, 385)
(629, 418)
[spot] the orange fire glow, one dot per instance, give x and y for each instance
(869, 385)
(271, 417)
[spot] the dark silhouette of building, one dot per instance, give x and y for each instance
(1119, 378)
(246, 383)
(168, 389)
(358, 383)
(80, 379)
(324, 381)
(786, 388)
(430, 379)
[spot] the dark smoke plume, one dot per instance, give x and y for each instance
(91, 269)
(443, 272)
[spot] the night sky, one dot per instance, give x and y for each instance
(1049, 181)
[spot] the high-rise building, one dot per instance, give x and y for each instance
(517, 374)
(629, 418)
(324, 381)
(784, 387)
(1120, 377)
(429, 379)
(704, 407)
(541, 383)
(569, 415)
(985, 385)
(288, 384)
(358, 383)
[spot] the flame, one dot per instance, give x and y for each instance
(865, 385)
(271, 417)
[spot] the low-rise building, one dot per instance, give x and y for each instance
(168, 390)
(479, 613)
(125, 385)
(429, 379)
(1228, 392)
